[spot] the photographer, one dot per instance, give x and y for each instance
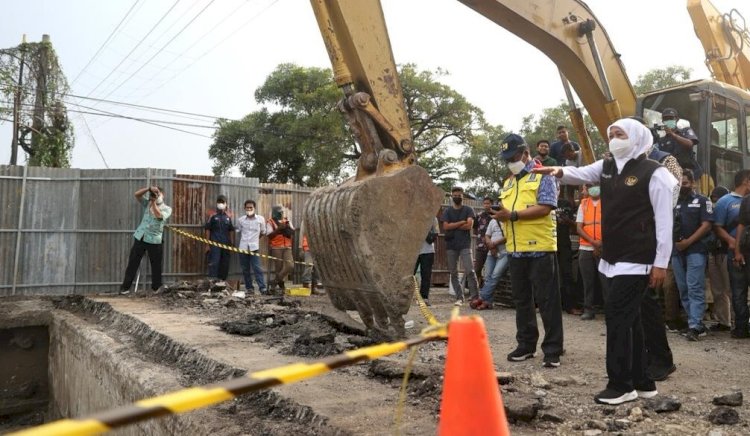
(148, 236)
(280, 233)
(678, 141)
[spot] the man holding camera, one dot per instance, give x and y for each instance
(148, 236)
(678, 142)
(280, 233)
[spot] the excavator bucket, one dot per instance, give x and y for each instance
(365, 237)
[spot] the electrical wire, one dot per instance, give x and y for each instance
(122, 103)
(126, 117)
(93, 139)
(106, 41)
(134, 48)
(160, 49)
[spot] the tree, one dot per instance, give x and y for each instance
(483, 168)
(659, 78)
(45, 133)
(299, 136)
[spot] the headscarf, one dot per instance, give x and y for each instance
(641, 139)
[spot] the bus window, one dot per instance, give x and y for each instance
(725, 170)
(725, 131)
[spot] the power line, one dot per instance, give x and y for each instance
(106, 41)
(96, 144)
(134, 48)
(160, 49)
(126, 117)
(121, 103)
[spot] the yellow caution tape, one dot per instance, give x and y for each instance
(228, 247)
(197, 397)
(423, 306)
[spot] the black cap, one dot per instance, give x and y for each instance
(719, 192)
(669, 112)
(221, 198)
(510, 146)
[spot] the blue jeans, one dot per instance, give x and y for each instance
(251, 266)
(494, 267)
(690, 275)
(738, 279)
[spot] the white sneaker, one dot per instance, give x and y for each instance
(238, 294)
(647, 394)
(459, 303)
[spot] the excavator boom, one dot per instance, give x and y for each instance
(725, 40)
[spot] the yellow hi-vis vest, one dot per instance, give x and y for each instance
(539, 234)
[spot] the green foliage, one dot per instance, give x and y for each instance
(302, 142)
(483, 168)
(299, 136)
(47, 138)
(659, 78)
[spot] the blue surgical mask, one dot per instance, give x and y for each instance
(670, 124)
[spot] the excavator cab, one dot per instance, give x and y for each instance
(365, 234)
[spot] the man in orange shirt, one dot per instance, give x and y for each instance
(280, 233)
(589, 228)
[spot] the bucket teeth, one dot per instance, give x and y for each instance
(365, 237)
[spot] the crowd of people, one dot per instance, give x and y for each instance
(644, 235)
(221, 227)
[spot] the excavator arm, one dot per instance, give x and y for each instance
(365, 234)
(726, 42)
(570, 35)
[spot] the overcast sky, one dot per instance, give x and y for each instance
(215, 64)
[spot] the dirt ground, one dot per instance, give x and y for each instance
(259, 333)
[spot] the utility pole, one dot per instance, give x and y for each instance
(17, 107)
(40, 102)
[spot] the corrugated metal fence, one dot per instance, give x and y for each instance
(66, 231)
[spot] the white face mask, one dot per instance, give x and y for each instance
(160, 199)
(517, 166)
(619, 147)
(249, 212)
(221, 206)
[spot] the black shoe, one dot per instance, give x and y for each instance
(740, 334)
(720, 328)
(588, 316)
(520, 354)
(661, 374)
(692, 335)
(551, 362)
(613, 398)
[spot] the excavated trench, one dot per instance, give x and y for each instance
(69, 357)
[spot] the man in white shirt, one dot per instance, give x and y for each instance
(250, 228)
(637, 222)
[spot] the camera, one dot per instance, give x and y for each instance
(495, 207)
(153, 194)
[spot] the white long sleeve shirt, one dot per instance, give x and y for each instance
(250, 230)
(660, 189)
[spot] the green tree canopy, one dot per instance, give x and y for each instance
(483, 168)
(299, 136)
(46, 135)
(659, 78)
(544, 126)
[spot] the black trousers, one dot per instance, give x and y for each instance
(424, 262)
(134, 260)
(626, 350)
(535, 280)
(659, 355)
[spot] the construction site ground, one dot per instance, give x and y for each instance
(206, 338)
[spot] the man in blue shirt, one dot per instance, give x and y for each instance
(220, 229)
(148, 236)
(725, 225)
(693, 219)
(555, 150)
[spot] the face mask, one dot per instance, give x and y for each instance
(670, 124)
(594, 191)
(249, 212)
(221, 206)
(160, 199)
(684, 192)
(619, 147)
(517, 166)
(457, 200)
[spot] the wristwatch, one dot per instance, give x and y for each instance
(514, 216)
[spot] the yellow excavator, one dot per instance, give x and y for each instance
(362, 233)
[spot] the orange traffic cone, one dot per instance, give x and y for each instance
(471, 403)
